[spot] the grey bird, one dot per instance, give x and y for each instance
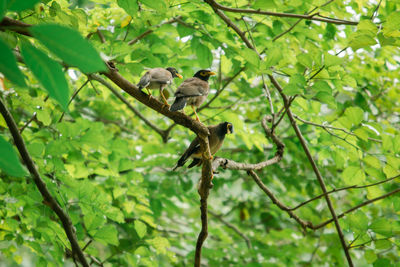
(192, 91)
(216, 139)
(158, 78)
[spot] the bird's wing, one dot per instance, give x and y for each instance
(192, 87)
(145, 80)
(193, 148)
(160, 75)
(215, 139)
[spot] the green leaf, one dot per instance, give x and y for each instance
(141, 228)
(274, 56)
(250, 56)
(70, 46)
(353, 175)
(3, 8)
(204, 55)
(392, 25)
(264, 4)
(382, 226)
(326, 98)
(48, 72)
(372, 161)
(8, 65)
(160, 244)
(354, 114)
(361, 40)
(358, 222)
(108, 235)
(158, 5)
(370, 256)
(130, 6)
(305, 59)
(331, 60)
(322, 86)
(20, 5)
(9, 161)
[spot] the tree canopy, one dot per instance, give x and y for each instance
(308, 178)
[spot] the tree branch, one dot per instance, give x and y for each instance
(357, 207)
(275, 200)
(41, 185)
(316, 17)
(233, 165)
(204, 191)
(314, 167)
(344, 188)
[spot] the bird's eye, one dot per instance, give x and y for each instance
(203, 73)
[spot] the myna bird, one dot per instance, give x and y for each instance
(158, 78)
(215, 139)
(192, 91)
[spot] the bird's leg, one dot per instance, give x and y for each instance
(163, 97)
(195, 113)
(148, 91)
(209, 156)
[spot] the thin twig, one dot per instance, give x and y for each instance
(332, 127)
(345, 188)
(316, 17)
(72, 98)
(233, 227)
(222, 89)
(32, 118)
(141, 36)
(278, 203)
(358, 206)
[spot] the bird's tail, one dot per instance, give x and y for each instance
(180, 162)
(179, 103)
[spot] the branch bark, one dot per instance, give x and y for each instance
(204, 191)
(41, 185)
(233, 165)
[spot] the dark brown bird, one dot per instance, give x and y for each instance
(216, 139)
(158, 78)
(192, 91)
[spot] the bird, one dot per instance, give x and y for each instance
(158, 78)
(215, 139)
(192, 91)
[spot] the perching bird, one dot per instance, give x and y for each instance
(216, 138)
(158, 78)
(192, 91)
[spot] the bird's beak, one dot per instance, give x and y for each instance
(179, 76)
(211, 73)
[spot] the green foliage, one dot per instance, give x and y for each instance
(8, 65)
(9, 161)
(111, 172)
(48, 72)
(67, 44)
